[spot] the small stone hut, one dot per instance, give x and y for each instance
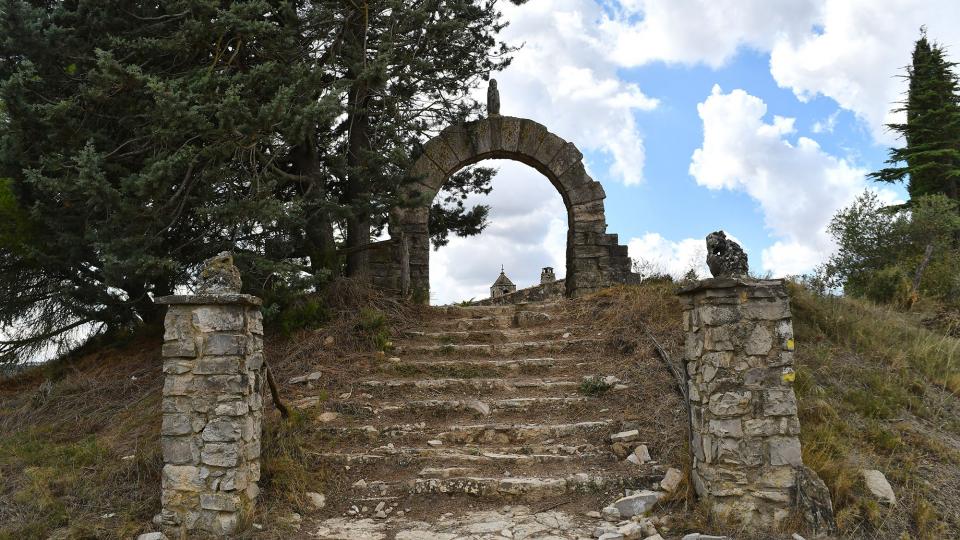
(502, 286)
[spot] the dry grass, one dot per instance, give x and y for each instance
(877, 389)
(79, 445)
(79, 438)
(874, 393)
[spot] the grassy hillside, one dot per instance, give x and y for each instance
(79, 438)
(879, 390)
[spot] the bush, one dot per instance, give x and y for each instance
(306, 312)
(373, 324)
(887, 286)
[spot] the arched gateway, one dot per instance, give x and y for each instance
(594, 258)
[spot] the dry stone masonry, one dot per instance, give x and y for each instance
(595, 259)
(745, 431)
(212, 405)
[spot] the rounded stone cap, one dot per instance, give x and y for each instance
(209, 299)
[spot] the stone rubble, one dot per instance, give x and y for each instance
(878, 486)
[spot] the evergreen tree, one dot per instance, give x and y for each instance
(142, 137)
(930, 160)
(407, 69)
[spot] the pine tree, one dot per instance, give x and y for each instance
(407, 68)
(930, 160)
(142, 137)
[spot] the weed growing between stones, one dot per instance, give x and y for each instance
(594, 386)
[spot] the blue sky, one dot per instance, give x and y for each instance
(759, 117)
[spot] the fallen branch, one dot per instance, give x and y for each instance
(275, 394)
(681, 380)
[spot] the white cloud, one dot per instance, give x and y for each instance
(564, 77)
(860, 53)
(527, 231)
(703, 31)
(799, 186)
(852, 51)
(673, 258)
(826, 125)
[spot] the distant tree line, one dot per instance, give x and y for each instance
(896, 254)
(139, 138)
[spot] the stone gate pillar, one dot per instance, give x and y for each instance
(212, 405)
(739, 355)
(745, 437)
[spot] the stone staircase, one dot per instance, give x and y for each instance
(488, 417)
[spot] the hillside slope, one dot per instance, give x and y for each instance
(79, 438)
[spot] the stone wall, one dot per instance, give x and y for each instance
(745, 430)
(544, 291)
(212, 411)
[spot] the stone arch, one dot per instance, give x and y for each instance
(594, 258)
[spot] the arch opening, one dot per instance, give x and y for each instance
(526, 232)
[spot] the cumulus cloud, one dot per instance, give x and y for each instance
(851, 51)
(527, 231)
(858, 50)
(703, 31)
(655, 254)
(564, 77)
(798, 186)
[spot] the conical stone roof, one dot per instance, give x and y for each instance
(502, 280)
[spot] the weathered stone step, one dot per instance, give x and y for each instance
(508, 455)
(522, 488)
(474, 311)
(492, 349)
(487, 336)
(520, 433)
(470, 368)
(472, 323)
(495, 434)
(483, 407)
(453, 384)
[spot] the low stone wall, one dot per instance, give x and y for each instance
(745, 431)
(537, 293)
(212, 411)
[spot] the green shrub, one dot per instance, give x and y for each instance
(889, 285)
(594, 386)
(305, 312)
(373, 324)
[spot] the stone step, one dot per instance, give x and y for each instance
(507, 455)
(493, 349)
(453, 384)
(472, 368)
(472, 323)
(483, 407)
(487, 336)
(514, 488)
(521, 433)
(494, 434)
(474, 311)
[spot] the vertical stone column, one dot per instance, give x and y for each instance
(212, 410)
(739, 359)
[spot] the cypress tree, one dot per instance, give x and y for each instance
(930, 159)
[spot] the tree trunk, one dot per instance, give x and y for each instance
(321, 246)
(927, 254)
(357, 192)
